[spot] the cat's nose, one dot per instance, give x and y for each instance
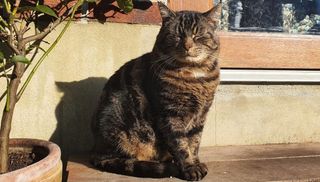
(188, 44)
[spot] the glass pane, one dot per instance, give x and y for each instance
(291, 16)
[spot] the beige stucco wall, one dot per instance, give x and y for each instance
(264, 114)
(61, 98)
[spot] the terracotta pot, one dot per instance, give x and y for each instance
(47, 169)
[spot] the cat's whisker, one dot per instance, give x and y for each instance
(164, 126)
(161, 58)
(160, 66)
(165, 64)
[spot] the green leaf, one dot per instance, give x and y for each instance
(21, 59)
(26, 8)
(91, 1)
(1, 55)
(31, 47)
(46, 10)
(125, 5)
(39, 8)
(2, 63)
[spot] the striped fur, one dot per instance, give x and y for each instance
(152, 111)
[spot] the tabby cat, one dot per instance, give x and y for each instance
(152, 110)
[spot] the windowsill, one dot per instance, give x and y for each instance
(269, 76)
(269, 50)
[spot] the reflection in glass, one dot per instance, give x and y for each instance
(292, 16)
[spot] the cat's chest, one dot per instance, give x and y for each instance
(199, 79)
(192, 74)
(199, 82)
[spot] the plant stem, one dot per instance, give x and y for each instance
(11, 101)
(7, 107)
(7, 116)
(6, 6)
(2, 21)
(35, 68)
(18, 71)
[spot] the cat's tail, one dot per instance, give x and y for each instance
(134, 167)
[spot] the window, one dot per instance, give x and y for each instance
(290, 16)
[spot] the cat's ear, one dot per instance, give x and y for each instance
(214, 14)
(165, 12)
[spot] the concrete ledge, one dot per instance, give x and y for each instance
(291, 162)
(269, 76)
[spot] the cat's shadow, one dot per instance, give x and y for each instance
(74, 114)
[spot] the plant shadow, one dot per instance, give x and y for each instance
(108, 9)
(74, 114)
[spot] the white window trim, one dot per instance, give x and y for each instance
(290, 76)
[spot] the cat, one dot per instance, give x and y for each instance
(152, 110)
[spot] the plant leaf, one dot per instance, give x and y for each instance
(21, 59)
(39, 8)
(46, 10)
(31, 47)
(1, 56)
(91, 1)
(125, 5)
(26, 8)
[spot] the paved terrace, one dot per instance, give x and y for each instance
(290, 162)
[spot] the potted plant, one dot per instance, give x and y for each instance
(17, 18)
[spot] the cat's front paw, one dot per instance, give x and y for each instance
(195, 172)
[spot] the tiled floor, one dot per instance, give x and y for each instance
(291, 162)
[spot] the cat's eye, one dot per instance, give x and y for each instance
(207, 35)
(194, 30)
(195, 37)
(203, 36)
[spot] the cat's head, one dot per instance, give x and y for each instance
(188, 35)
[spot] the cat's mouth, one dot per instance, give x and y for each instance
(190, 54)
(186, 57)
